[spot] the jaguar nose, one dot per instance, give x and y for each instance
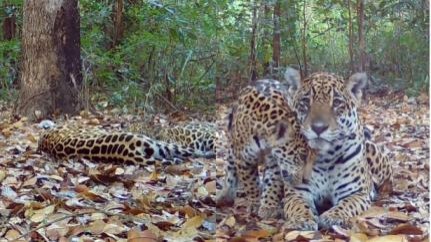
(319, 128)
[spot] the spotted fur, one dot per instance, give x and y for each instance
(324, 119)
(116, 147)
(199, 136)
(347, 166)
(259, 123)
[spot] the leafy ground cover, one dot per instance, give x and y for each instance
(47, 200)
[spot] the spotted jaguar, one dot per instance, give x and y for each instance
(197, 135)
(116, 147)
(345, 170)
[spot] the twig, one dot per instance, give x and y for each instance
(125, 217)
(207, 70)
(51, 222)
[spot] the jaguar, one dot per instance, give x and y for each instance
(197, 135)
(345, 169)
(258, 126)
(117, 147)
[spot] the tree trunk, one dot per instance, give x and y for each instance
(361, 35)
(9, 27)
(118, 22)
(352, 68)
(266, 41)
(252, 60)
(51, 66)
(291, 20)
(304, 41)
(276, 48)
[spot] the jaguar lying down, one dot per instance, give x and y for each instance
(101, 146)
(346, 169)
(199, 136)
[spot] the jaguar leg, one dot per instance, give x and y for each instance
(298, 210)
(345, 209)
(272, 191)
(228, 194)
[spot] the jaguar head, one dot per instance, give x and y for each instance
(326, 106)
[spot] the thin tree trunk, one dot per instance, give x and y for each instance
(51, 66)
(361, 34)
(252, 59)
(9, 27)
(118, 22)
(352, 68)
(168, 88)
(304, 41)
(266, 42)
(276, 37)
(291, 19)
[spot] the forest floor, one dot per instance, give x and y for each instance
(47, 200)
(402, 124)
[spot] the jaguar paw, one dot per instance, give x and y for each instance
(266, 212)
(327, 220)
(302, 224)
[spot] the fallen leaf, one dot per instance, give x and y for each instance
(41, 214)
(389, 238)
(135, 235)
(230, 221)
(406, 229)
(256, 234)
(295, 235)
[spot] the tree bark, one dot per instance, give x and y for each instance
(352, 68)
(118, 22)
(304, 41)
(51, 66)
(252, 59)
(361, 35)
(276, 49)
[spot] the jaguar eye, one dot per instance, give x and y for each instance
(303, 105)
(336, 103)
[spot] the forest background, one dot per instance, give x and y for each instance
(174, 55)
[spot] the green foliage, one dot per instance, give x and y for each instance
(173, 54)
(167, 46)
(396, 39)
(9, 59)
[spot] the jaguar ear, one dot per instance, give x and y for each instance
(356, 84)
(293, 80)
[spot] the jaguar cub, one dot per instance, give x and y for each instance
(258, 126)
